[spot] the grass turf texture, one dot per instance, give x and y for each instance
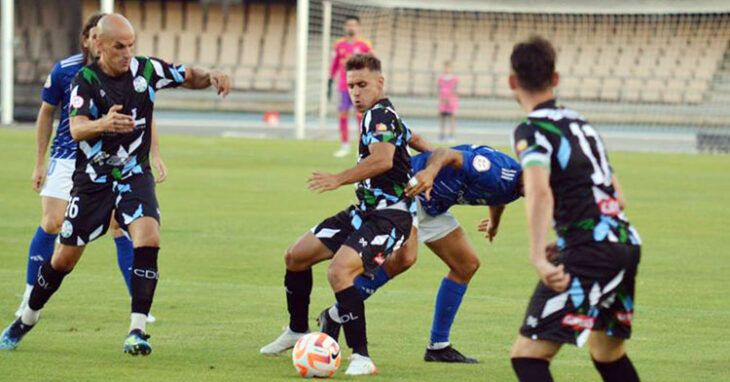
(231, 207)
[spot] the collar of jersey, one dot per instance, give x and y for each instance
(549, 104)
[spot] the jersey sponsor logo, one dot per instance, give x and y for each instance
(140, 84)
(47, 84)
(609, 207)
(77, 102)
(481, 163)
(66, 229)
(379, 259)
(578, 321)
(380, 127)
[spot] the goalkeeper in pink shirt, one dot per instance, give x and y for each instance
(344, 48)
(448, 101)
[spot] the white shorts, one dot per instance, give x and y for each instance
(59, 179)
(432, 228)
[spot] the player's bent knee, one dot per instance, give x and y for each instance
(527, 348)
(604, 348)
(64, 260)
(466, 270)
(51, 223)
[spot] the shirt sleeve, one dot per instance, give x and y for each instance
(53, 88)
(532, 147)
(164, 75)
(335, 61)
(477, 167)
(383, 126)
(81, 100)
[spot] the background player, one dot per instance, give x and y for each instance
(344, 48)
(586, 294)
(359, 238)
(448, 102)
(466, 175)
(112, 170)
(55, 183)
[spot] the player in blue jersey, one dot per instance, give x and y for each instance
(54, 184)
(461, 175)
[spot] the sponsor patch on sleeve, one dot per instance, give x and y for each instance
(481, 163)
(77, 102)
(47, 84)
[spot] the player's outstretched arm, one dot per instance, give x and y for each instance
(539, 208)
(379, 161)
(440, 158)
(44, 130)
(82, 128)
(420, 143)
(197, 77)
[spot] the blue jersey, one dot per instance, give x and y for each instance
(56, 92)
(486, 177)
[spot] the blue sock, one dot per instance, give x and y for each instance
(367, 286)
(448, 300)
(125, 257)
(40, 250)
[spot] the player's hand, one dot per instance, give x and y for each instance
(552, 251)
(161, 169)
(422, 182)
(554, 277)
(38, 177)
(221, 82)
(489, 228)
(116, 122)
(322, 181)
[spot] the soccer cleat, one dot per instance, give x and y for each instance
(136, 343)
(327, 325)
(342, 152)
(447, 354)
(285, 341)
(13, 334)
(360, 365)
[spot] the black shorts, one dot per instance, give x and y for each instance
(600, 296)
(90, 208)
(373, 234)
(446, 114)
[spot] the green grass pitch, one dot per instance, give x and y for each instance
(231, 207)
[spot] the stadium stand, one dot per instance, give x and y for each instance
(653, 59)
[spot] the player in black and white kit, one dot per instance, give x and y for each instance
(586, 288)
(111, 106)
(358, 239)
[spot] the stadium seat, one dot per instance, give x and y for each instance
(208, 49)
(153, 14)
(144, 44)
(230, 49)
(214, 21)
(174, 16)
(234, 19)
(166, 45)
(188, 48)
(193, 17)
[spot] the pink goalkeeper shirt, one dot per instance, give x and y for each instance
(343, 50)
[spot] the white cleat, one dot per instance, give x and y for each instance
(342, 152)
(151, 319)
(361, 365)
(286, 341)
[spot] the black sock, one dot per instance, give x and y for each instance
(144, 278)
(532, 369)
(620, 370)
(352, 315)
(298, 287)
(45, 285)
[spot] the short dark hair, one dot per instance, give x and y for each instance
(533, 62)
(90, 23)
(352, 17)
(362, 61)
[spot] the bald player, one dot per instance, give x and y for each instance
(111, 106)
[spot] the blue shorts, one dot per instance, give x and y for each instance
(345, 101)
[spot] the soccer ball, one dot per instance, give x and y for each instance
(316, 355)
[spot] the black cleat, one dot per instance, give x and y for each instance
(327, 325)
(447, 354)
